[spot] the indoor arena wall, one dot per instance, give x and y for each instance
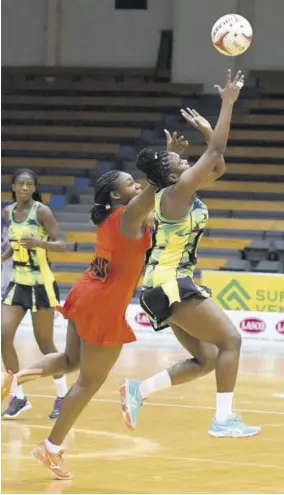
(90, 32)
(24, 32)
(93, 33)
(192, 59)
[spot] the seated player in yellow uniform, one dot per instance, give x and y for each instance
(32, 231)
(169, 295)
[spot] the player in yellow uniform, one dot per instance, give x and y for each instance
(33, 231)
(170, 297)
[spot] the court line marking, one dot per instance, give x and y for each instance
(215, 461)
(273, 425)
(142, 448)
(161, 404)
(139, 447)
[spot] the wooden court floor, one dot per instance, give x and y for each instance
(170, 452)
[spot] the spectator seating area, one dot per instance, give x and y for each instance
(70, 127)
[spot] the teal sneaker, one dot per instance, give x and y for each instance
(233, 428)
(131, 401)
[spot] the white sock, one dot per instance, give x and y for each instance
(224, 403)
(157, 382)
(19, 392)
(52, 448)
(61, 386)
(14, 386)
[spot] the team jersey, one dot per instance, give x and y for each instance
(30, 266)
(174, 249)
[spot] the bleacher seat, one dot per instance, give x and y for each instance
(236, 265)
(7, 197)
(257, 250)
(48, 180)
(279, 247)
(75, 118)
(271, 82)
(265, 266)
(50, 163)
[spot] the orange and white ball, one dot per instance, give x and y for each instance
(232, 35)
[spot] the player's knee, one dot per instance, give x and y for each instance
(233, 340)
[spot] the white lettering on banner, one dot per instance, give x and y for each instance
(251, 325)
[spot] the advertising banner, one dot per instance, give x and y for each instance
(253, 326)
(236, 291)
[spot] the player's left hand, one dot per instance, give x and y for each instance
(196, 120)
(29, 242)
(176, 144)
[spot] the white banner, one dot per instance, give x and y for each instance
(256, 325)
(251, 325)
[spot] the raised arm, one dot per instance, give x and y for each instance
(135, 215)
(200, 123)
(191, 180)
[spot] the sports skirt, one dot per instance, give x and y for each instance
(98, 313)
(157, 301)
(33, 297)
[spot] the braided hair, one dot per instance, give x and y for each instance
(105, 184)
(36, 195)
(156, 166)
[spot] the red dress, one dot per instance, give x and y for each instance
(98, 300)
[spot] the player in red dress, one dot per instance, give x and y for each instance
(96, 305)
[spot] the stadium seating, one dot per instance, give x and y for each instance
(73, 118)
(7, 197)
(271, 82)
(75, 125)
(65, 180)
(49, 162)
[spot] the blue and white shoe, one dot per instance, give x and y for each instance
(233, 428)
(131, 401)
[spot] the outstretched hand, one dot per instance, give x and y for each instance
(231, 91)
(176, 144)
(196, 120)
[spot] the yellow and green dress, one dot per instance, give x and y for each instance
(32, 284)
(172, 260)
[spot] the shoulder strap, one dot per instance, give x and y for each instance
(33, 211)
(158, 198)
(10, 209)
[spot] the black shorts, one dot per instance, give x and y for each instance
(33, 297)
(157, 301)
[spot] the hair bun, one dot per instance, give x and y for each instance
(145, 159)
